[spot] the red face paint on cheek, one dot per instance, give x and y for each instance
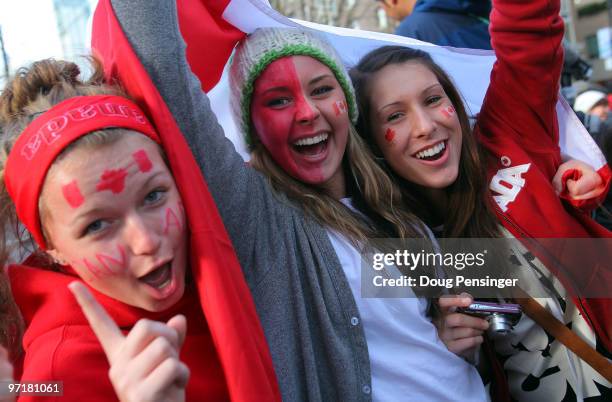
(107, 264)
(389, 135)
(448, 111)
(72, 194)
(274, 124)
(340, 107)
(142, 160)
(173, 218)
(113, 180)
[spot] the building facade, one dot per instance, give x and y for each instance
(588, 28)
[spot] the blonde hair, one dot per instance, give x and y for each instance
(374, 192)
(29, 93)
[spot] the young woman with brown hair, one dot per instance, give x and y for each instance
(495, 180)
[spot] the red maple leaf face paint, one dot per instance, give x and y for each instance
(448, 111)
(297, 110)
(389, 135)
(72, 194)
(142, 160)
(340, 107)
(113, 180)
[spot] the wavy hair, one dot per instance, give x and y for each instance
(374, 194)
(470, 211)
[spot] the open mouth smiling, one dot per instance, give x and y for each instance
(311, 146)
(432, 153)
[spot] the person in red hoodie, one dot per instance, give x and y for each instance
(502, 186)
(85, 172)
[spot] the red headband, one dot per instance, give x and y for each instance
(45, 138)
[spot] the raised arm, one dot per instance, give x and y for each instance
(520, 102)
(241, 194)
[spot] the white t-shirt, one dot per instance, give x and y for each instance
(408, 360)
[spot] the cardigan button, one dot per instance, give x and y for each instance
(366, 389)
(354, 321)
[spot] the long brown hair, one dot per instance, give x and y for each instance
(374, 194)
(29, 93)
(469, 212)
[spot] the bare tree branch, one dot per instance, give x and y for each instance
(343, 13)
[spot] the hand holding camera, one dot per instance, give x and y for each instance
(461, 333)
(502, 317)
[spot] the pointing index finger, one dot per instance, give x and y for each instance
(106, 330)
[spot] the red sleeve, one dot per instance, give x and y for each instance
(72, 356)
(590, 203)
(520, 102)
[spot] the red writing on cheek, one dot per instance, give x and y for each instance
(340, 107)
(448, 111)
(107, 264)
(173, 218)
(113, 180)
(72, 194)
(390, 135)
(142, 160)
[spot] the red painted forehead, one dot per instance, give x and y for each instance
(290, 71)
(279, 73)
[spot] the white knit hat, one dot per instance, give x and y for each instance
(254, 53)
(587, 100)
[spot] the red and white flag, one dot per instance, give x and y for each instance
(212, 28)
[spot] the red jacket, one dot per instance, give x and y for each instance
(60, 345)
(518, 126)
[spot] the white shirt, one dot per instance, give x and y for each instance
(408, 360)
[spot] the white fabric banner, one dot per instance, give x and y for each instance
(470, 70)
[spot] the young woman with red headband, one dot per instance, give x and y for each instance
(84, 172)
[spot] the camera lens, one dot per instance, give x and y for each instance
(499, 324)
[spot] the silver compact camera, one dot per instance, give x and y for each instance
(502, 317)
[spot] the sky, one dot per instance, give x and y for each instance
(30, 31)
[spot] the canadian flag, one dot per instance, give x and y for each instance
(340, 107)
(211, 29)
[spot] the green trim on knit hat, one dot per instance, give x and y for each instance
(291, 50)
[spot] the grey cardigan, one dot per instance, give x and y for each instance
(303, 299)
